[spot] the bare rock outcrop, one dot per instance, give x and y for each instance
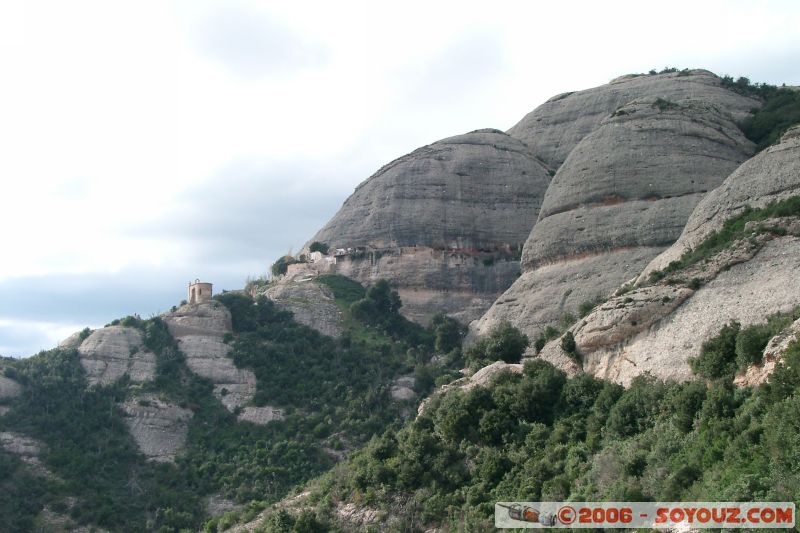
(748, 292)
(260, 415)
(158, 427)
(73, 341)
(403, 388)
(443, 223)
(27, 449)
(199, 330)
(311, 303)
(111, 352)
(621, 197)
(747, 281)
(772, 175)
(554, 128)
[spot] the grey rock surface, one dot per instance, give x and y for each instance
(622, 197)
(158, 427)
(260, 415)
(747, 292)
(458, 283)
(437, 215)
(199, 330)
(27, 449)
(478, 190)
(554, 128)
(111, 352)
(403, 388)
(772, 175)
(311, 303)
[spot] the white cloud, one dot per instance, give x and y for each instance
(136, 134)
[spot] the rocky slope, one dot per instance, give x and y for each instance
(158, 427)
(311, 303)
(621, 197)
(658, 326)
(443, 222)
(200, 330)
(111, 352)
(555, 128)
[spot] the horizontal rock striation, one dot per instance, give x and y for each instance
(158, 427)
(772, 175)
(478, 190)
(199, 330)
(555, 128)
(114, 351)
(622, 196)
(473, 196)
(747, 281)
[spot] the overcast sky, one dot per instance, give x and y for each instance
(148, 143)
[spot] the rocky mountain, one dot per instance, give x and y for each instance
(445, 223)
(663, 321)
(630, 230)
(622, 196)
(555, 128)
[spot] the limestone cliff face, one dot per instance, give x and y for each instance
(111, 352)
(200, 330)
(555, 128)
(158, 427)
(657, 327)
(621, 197)
(770, 176)
(444, 219)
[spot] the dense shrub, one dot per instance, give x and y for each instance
(504, 343)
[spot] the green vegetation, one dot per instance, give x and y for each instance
(779, 112)
(540, 436)
(317, 246)
(281, 265)
(569, 346)
(732, 230)
(504, 343)
(334, 393)
(664, 105)
(735, 348)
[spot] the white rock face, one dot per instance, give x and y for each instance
(111, 352)
(622, 196)
(158, 427)
(199, 330)
(748, 292)
(73, 341)
(311, 303)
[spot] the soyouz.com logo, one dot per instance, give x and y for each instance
(658, 515)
